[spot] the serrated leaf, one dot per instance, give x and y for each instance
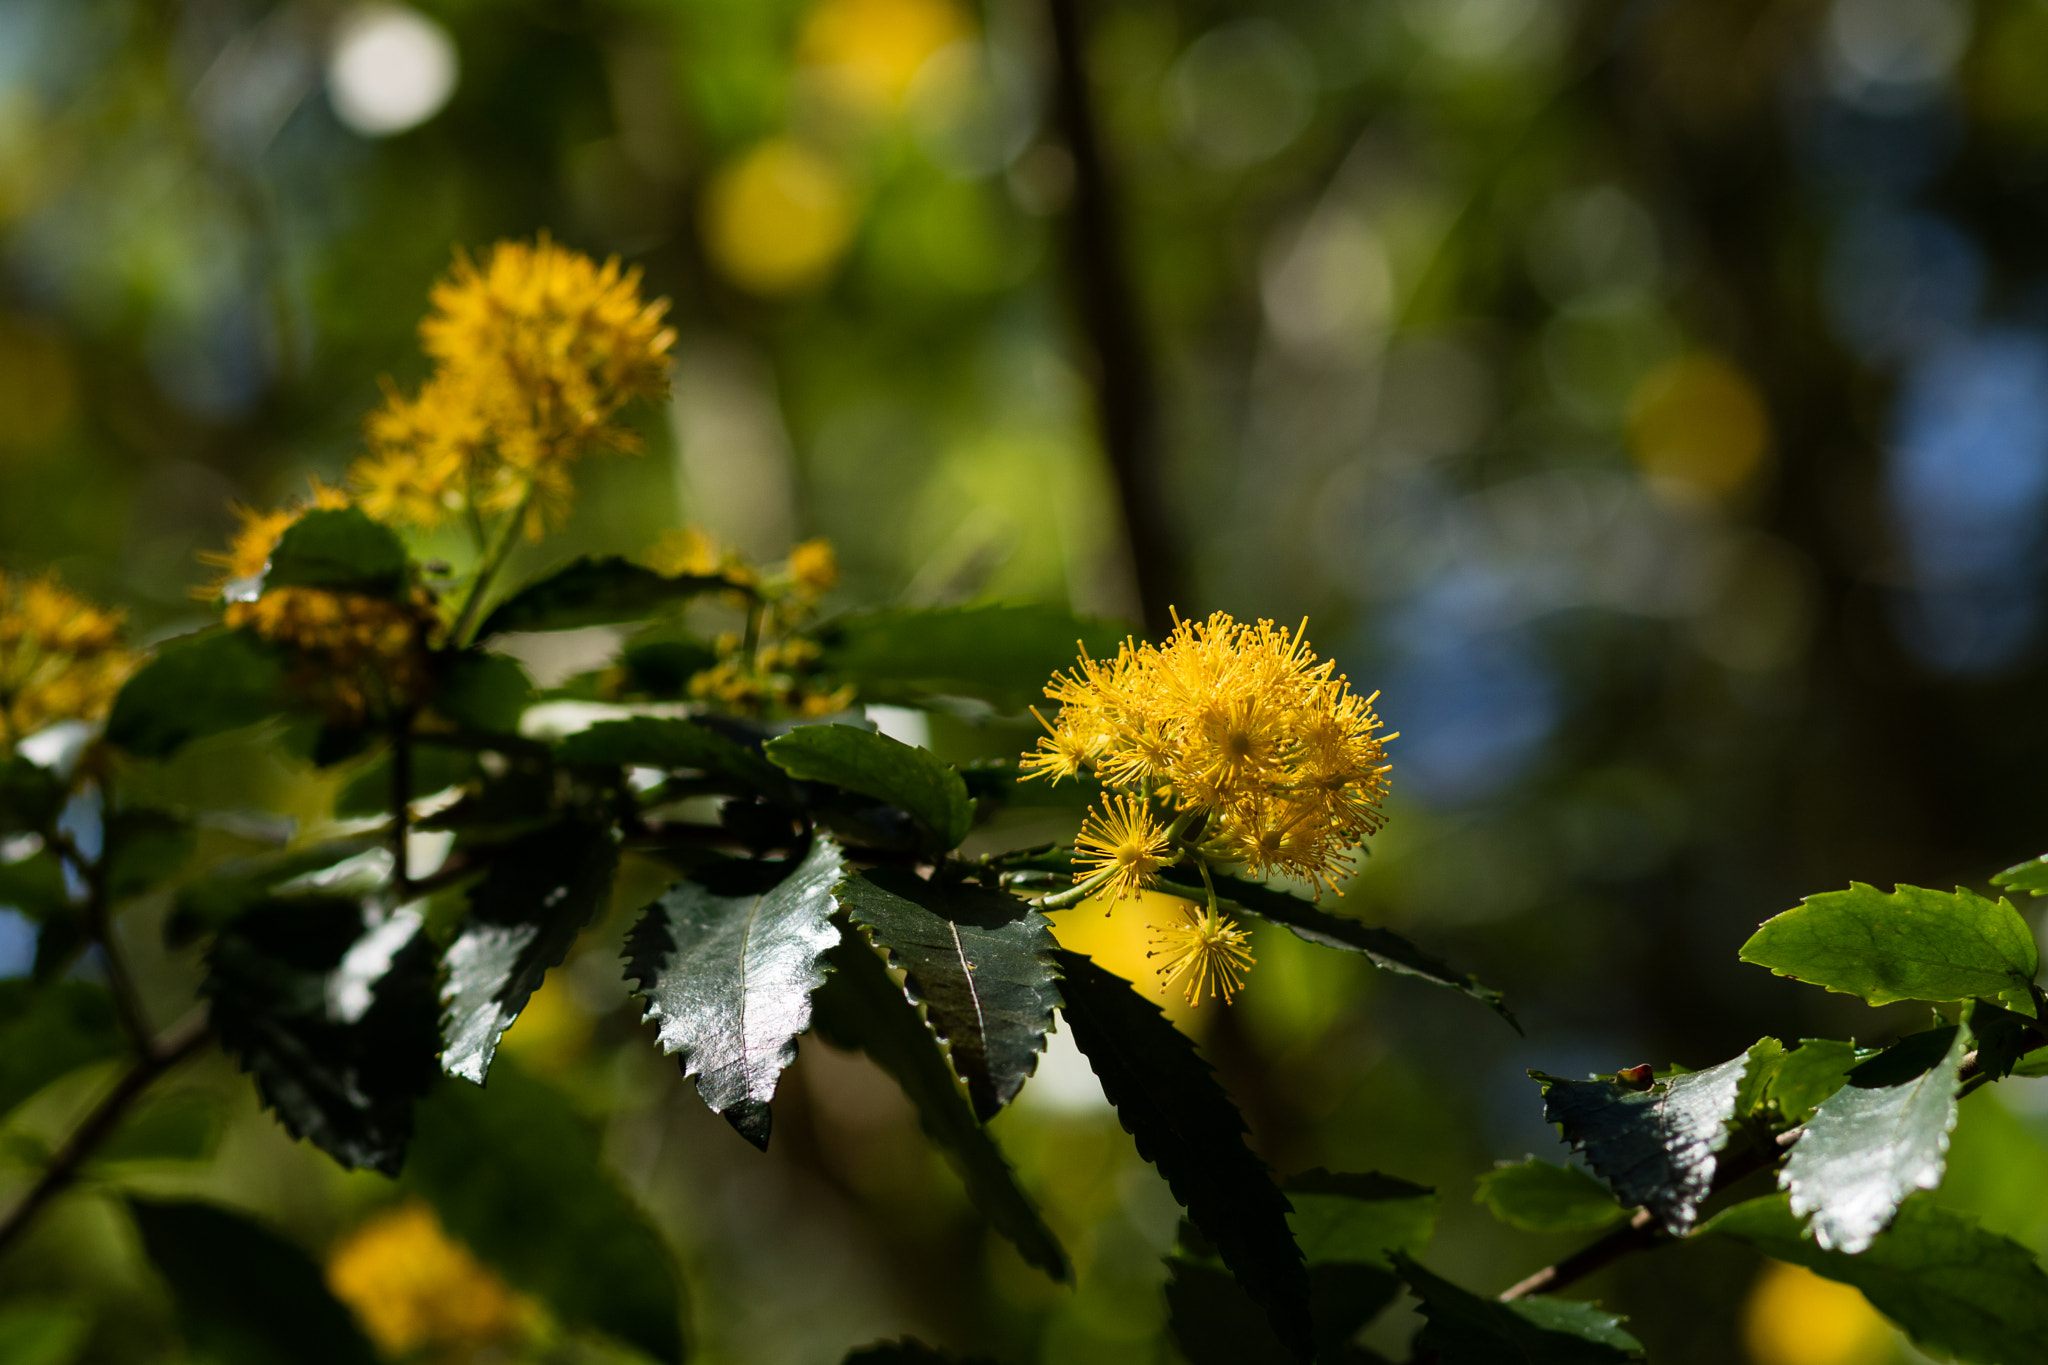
(335, 1018)
(2030, 876)
(34, 885)
(923, 787)
(595, 591)
(1752, 1097)
(1659, 1147)
(861, 1007)
(484, 692)
(143, 848)
(197, 685)
(339, 549)
(1879, 1138)
(727, 964)
(1463, 1328)
(1536, 1196)
(2000, 1036)
(48, 1031)
(1913, 944)
(979, 961)
(538, 894)
(1955, 1288)
(661, 742)
(908, 1351)
(244, 1295)
(520, 1178)
(1169, 1102)
(1809, 1074)
(1001, 654)
(1384, 948)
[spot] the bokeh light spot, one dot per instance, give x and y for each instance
(1698, 420)
(778, 218)
(1241, 93)
(1794, 1317)
(869, 51)
(391, 68)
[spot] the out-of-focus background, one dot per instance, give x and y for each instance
(1650, 398)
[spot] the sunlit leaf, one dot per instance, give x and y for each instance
(197, 685)
(1913, 944)
(1809, 1074)
(594, 591)
(2030, 876)
(1536, 1196)
(872, 764)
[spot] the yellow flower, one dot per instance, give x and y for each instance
(248, 554)
(61, 657)
(1208, 951)
(416, 1290)
(813, 569)
(1123, 840)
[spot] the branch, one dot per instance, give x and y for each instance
(98, 1126)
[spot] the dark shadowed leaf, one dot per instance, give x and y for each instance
(34, 885)
(1536, 1196)
(231, 889)
(979, 961)
(1464, 1328)
(335, 1018)
(909, 1351)
(860, 1006)
(47, 1031)
(1004, 655)
(596, 591)
(1955, 1288)
(2000, 1036)
(197, 685)
(339, 549)
(244, 1295)
(484, 692)
(1913, 944)
(998, 781)
(434, 769)
(30, 795)
(143, 848)
(1382, 947)
(519, 1177)
(727, 964)
(1169, 1102)
(1876, 1140)
(1656, 1147)
(658, 742)
(872, 764)
(539, 893)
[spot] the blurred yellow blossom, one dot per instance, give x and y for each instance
(61, 657)
(415, 1290)
(870, 50)
(1795, 1317)
(813, 567)
(778, 217)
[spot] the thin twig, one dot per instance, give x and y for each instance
(99, 1125)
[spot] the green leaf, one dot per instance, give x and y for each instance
(979, 961)
(339, 549)
(1465, 1329)
(229, 890)
(2030, 876)
(484, 692)
(30, 795)
(42, 1333)
(1169, 1102)
(1879, 1138)
(197, 685)
(538, 894)
(872, 764)
(1809, 1074)
(1536, 1196)
(334, 1015)
(48, 1031)
(520, 1178)
(434, 769)
(861, 1007)
(1657, 1147)
(598, 591)
(659, 742)
(245, 1296)
(727, 964)
(181, 1126)
(1384, 948)
(1004, 655)
(1913, 944)
(908, 1351)
(34, 885)
(143, 848)
(1955, 1288)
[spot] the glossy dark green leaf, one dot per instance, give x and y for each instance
(980, 962)
(50, 1030)
(34, 885)
(231, 889)
(339, 549)
(43, 1333)
(1879, 1138)
(660, 742)
(143, 849)
(908, 1351)
(335, 1017)
(861, 1007)
(539, 893)
(1183, 1123)
(1913, 944)
(727, 964)
(872, 764)
(2001, 1037)
(595, 591)
(1382, 947)
(244, 1295)
(2030, 876)
(484, 692)
(30, 795)
(1955, 1288)
(1004, 655)
(197, 685)
(1658, 1147)
(1536, 1196)
(520, 1178)
(1464, 1328)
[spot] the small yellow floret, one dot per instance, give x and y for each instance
(61, 657)
(813, 568)
(414, 1289)
(1123, 840)
(1208, 952)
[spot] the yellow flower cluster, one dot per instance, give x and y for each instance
(535, 352)
(61, 657)
(416, 1292)
(355, 653)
